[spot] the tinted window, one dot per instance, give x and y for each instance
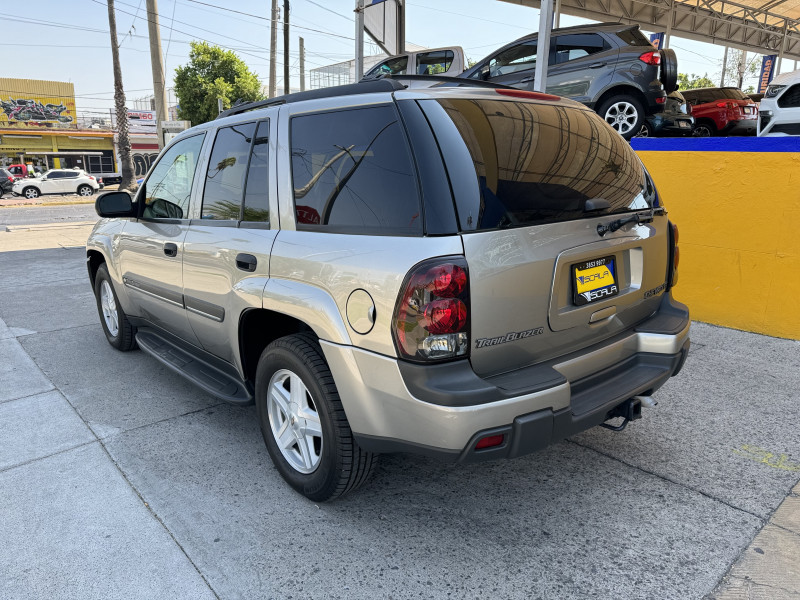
(256, 199)
(169, 185)
(538, 163)
(713, 94)
(54, 174)
(393, 66)
(433, 63)
(227, 167)
(352, 172)
(633, 37)
(71, 174)
(519, 58)
(577, 45)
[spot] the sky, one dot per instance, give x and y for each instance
(69, 41)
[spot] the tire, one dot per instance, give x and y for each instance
(119, 331)
(624, 113)
(85, 190)
(669, 70)
(645, 131)
(321, 467)
(704, 129)
(30, 193)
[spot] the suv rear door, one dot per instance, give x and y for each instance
(581, 64)
(525, 173)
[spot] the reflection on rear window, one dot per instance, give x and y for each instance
(540, 163)
(712, 94)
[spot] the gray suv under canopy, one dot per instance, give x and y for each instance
(467, 273)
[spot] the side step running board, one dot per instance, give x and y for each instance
(199, 372)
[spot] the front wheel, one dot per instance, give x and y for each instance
(303, 421)
(119, 331)
(30, 193)
(85, 190)
(624, 113)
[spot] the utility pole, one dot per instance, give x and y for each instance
(302, 65)
(273, 41)
(724, 67)
(359, 40)
(157, 62)
(285, 46)
(123, 142)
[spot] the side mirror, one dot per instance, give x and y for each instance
(485, 72)
(115, 204)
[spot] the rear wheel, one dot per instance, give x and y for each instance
(645, 131)
(704, 129)
(623, 113)
(30, 193)
(303, 421)
(85, 190)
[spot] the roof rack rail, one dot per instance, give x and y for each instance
(366, 87)
(442, 79)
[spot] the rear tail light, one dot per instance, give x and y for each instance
(661, 100)
(431, 320)
(90, 177)
(651, 58)
(490, 441)
(725, 105)
(674, 255)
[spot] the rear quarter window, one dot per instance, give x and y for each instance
(535, 163)
(633, 37)
(352, 172)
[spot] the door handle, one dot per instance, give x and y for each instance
(171, 249)
(246, 262)
(597, 65)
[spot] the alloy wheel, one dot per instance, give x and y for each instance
(622, 116)
(109, 307)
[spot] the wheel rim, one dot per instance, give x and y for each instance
(702, 131)
(31, 193)
(622, 116)
(294, 421)
(86, 191)
(109, 308)
(643, 132)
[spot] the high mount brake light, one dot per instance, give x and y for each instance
(527, 94)
(651, 58)
(431, 319)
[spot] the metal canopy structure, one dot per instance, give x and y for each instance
(761, 26)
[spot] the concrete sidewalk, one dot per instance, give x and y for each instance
(119, 480)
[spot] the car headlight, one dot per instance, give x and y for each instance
(773, 90)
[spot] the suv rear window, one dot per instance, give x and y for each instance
(712, 94)
(353, 173)
(536, 163)
(633, 37)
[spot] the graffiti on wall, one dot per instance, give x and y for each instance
(32, 110)
(142, 162)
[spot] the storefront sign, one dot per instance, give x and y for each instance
(142, 121)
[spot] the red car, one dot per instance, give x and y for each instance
(722, 111)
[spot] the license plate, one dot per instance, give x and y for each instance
(594, 280)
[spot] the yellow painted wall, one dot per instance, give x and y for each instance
(57, 93)
(738, 214)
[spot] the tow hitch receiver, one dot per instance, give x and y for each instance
(630, 410)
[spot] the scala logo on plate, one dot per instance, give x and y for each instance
(594, 280)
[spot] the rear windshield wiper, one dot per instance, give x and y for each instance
(639, 218)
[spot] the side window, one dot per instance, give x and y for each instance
(352, 172)
(256, 196)
(577, 45)
(169, 186)
(55, 175)
(227, 167)
(518, 58)
(71, 175)
(433, 63)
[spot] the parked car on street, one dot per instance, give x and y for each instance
(610, 67)
(675, 120)
(6, 181)
(722, 111)
(434, 61)
(57, 181)
(471, 273)
(780, 107)
(22, 170)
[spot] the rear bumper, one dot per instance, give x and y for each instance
(445, 409)
(741, 127)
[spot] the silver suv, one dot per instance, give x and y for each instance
(465, 272)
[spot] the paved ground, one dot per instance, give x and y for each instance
(118, 480)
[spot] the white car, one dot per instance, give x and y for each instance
(780, 106)
(57, 181)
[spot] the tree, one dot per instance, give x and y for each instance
(732, 67)
(690, 82)
(128, 179)
(212, 73)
